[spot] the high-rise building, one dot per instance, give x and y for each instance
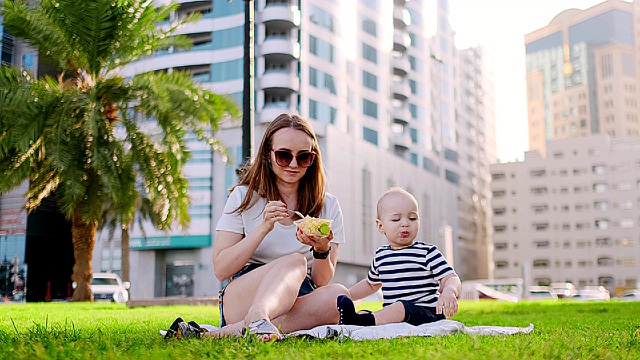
(378, 80)
(571, 215)
(475, 129)
(582, 75)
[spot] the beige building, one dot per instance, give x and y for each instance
(572, 215)
(582, 74)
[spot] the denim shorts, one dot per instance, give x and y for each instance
(418, 315)
(306, 287)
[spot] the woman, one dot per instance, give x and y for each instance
(279, 276)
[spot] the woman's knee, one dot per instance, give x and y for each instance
(294, 261)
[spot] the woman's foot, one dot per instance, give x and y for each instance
(348, 315)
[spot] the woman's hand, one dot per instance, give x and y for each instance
(274, 211)
(319, 243)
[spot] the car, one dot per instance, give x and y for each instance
(564, 290)
(109, 287)
(630, 295)
(593, 293)
(542, 293)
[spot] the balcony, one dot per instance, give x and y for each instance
(275, 79)
(271, 110)
(401, 142)
(401, 18)
(401, 90)
(401, 41)
(401, 66)
(401, 115)
(282, 48)
(281, 14)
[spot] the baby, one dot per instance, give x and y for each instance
(418, 285)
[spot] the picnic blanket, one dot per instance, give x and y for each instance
(390, 331)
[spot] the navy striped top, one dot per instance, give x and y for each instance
(411, 273)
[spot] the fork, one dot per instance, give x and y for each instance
(297, 213)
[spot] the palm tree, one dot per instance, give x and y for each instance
(90, 135)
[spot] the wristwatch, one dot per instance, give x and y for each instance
(320, 255)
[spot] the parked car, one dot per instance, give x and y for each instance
(593, 293)
(564, 290)
(542, 293)
(630, 295)
(109, 287)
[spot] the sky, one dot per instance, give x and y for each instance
(499, 26)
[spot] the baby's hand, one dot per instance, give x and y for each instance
(447, 304)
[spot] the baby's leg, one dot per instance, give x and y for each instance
(393, 313)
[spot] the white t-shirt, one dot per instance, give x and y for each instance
(282, 239)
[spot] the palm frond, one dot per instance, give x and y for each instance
(37, 27)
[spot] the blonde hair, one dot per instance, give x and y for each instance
(259, 177)
(396, 190)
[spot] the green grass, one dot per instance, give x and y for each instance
(563, 330)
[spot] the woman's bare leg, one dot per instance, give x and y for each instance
(264, 293)
(314, 309)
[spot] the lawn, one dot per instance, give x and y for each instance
(563, 330)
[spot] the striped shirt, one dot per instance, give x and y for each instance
(411, 273)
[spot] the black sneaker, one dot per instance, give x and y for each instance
(182, 330)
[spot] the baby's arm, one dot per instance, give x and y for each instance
(449, 290)
(363, 289)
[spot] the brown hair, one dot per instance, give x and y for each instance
(259, 177)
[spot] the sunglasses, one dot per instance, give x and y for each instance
(303, 159)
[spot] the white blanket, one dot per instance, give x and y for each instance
(442, 327)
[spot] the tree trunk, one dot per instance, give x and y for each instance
(83, 235)
(126, 276)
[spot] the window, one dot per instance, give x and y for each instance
(541, 263)
(369, 26)
(321, 17)
(500, 246)
(413, 134)
(501, 264)
(605, 261)
(499, 211)
(369, 80)
(370, 135)
(602, 224)
(322, 80)
(540, 209)
(626, 204)
(499, 193)
(601, 205)
(540, 226)
(498, 176)
(227, 38)
(538, 173)
(320, 48)
(539, 190)
(599, 169)
(369, 53)
(500, 228)
(541, 244)
(627, 223)
(604, 242)
(370, 108)
(322, 112)
(227, 70)
(600, 187)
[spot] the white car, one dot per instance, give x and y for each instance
(630, 295)
(593, 293)
(109, 287)
(542, 293)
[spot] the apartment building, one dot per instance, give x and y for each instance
(582, 74)
(572, 215)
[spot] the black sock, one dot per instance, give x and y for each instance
(348, 315)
